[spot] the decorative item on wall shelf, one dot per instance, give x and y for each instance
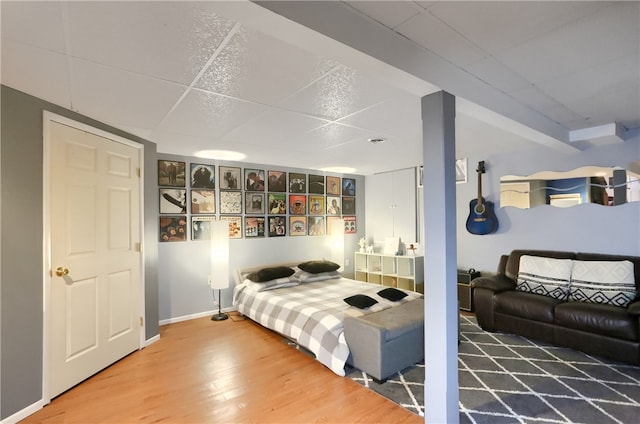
(298, 225)
(201, 227)
(277, 181)
(235, 226)
(254, 226)
(202, 176)
(230, 202)
(277, 204)
(363, 244)
(173, 200)
(229, 178)
(254, 180)
(171, 173)
(277, 226)
(316, 184)
(297, 182)
(333, 186)
(316, 225)
(173, 228)
(482, 219)
(203, 201)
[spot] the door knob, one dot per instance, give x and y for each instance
(60, 271)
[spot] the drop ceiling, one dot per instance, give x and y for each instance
(306, 84)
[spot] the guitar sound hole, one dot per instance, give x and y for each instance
(479, 209)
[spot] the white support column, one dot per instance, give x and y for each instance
(440, 259)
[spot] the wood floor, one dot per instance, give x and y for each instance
(233, 371)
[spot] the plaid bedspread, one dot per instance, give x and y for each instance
(311, 314)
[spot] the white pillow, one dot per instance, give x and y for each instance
(272, 284)
(607, 282)
(545, 276)
(308, 277)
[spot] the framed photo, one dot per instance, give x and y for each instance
(173, 228)
(229, 178)
(203, 176)
(253, 203)
(230, 202)
(348, 187)
(235, 226)
(254, 179)
(333, 205)
(201, 227)
(297, 204)
(277, 204)
(253, 226)
(316, 225)
(333, 185)
(331, 226)
(277, 226)
(171, 173)
(349, 224)
(348, 205)
(297, 225)
(203, 201)
(173, 200)
(297, 182)
(316, 184)
(461, 171)
(277, 181)
(316, 205)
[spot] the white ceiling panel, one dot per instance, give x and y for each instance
(399, 111)
(388, 13)
(38, 24)
(171, 40)
(121, 98)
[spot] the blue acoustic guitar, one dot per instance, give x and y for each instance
(482, 220)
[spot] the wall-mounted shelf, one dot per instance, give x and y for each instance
(404, 272)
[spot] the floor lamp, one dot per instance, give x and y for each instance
(219, 276)
(336, 232)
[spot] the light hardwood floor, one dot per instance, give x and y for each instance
(234, 371)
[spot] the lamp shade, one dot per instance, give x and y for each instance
(337, 241)
(219, 275)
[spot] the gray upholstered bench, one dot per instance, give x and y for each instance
(387, 341)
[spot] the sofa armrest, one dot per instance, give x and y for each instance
(496, 283)
(634, 307)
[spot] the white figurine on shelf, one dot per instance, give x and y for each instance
(370, 248)
(362, 243)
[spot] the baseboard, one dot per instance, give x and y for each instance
(21, 415)
(193, 316)
(152, 340)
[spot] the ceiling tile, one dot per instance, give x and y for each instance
(389, 13)
(497, 74)
(212, 115)
(401, 110)
(171, 40)
(38, 24)
(121, 98)
(259, 68)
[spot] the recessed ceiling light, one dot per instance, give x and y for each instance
(377, 140)
(339, 169)
(220, 155)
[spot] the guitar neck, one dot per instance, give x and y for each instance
(479, 188)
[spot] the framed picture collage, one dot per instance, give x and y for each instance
(257, 203)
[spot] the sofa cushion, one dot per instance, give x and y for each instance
(512, 264)
(606, 320)
(526, 305)
(606, 282)
(545, 276)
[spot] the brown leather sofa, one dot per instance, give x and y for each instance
(600, 329)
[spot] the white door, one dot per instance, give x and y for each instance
(94, 308)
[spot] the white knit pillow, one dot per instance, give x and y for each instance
(607, 282)
(545, 276)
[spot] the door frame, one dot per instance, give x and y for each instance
(47, 119)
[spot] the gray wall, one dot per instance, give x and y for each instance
(584, 228)
(183, 267)
(22, 239)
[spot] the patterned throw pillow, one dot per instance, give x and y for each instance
(545, 276)
(607, 282)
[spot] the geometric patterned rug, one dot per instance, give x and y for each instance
(505, 378)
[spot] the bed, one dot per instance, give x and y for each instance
(309, 307)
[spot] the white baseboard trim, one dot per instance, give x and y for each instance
(21, 415)
(193, 316)
(152, 340)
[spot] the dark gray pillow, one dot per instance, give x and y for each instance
(360, 301)
(316, 267)
(392, 294)
(271, 273)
